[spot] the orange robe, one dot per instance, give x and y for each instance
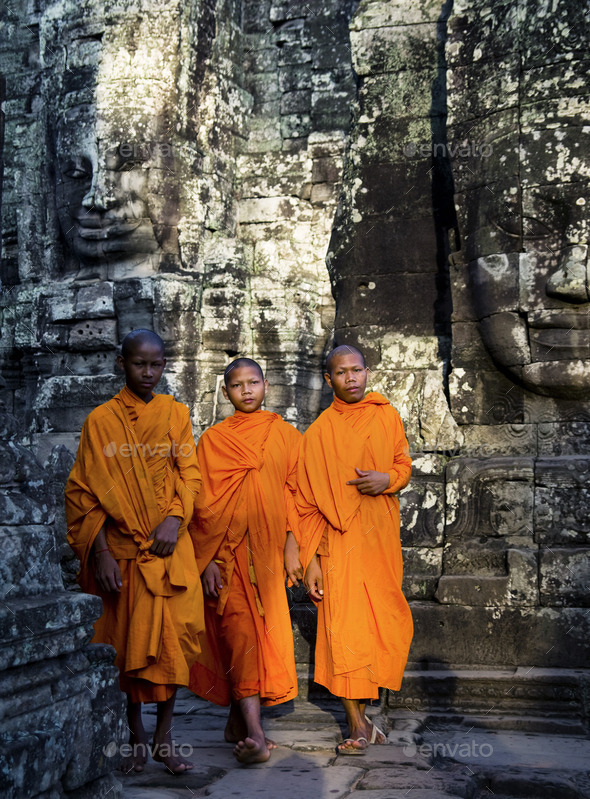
(364, 622)
(136, 465)
(242, 515)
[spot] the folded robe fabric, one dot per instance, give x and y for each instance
(364, 622)
(136, 465)
(242, 515)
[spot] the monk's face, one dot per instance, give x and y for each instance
(143, 368)
(348, 378)
(245, 389)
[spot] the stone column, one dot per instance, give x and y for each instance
(62, 709)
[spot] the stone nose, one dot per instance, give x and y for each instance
(571, 281)
(100, 196)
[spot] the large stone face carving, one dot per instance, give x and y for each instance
(103, 198)
(523, 185)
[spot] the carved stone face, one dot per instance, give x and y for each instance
(103, 196)
(527, 249)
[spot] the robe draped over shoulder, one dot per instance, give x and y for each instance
(136, 465)
(242, 515)
(364, 622)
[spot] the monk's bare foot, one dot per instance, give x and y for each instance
(251, 751)
(164, 753)
(136, 760)
(232, 738)
(236, 730)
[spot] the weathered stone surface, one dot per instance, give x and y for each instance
(565, 576)
(533, 694)
(495, 637)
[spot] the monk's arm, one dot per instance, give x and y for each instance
(292, 562)
(211, 579)
(108, 575)
(186, 465)
(165, 536)
(370, 482)
(188, 475)
(314, 582)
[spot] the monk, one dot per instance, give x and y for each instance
(129, 499)
(244, 533)
(354, 459)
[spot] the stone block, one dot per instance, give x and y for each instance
(57, 623)
(499, 637)
(506, 338)
(295, 78)
(562, 497)
(468, 350)
(95, 302)
(422, 569)
(387, 244)
(89, 335)
(394, 48)
(526, 695)
(30, 563)
(134, 305)
(565, 576)
(486, 398)
(422, 513)
(393, 13)
(454, 783)
(477, 91)
(519, 587)
(295, 126)
(331, 110)
(365, 299)
(563, 438)
(272, 209)
(490, 497)
(476, 33)
(297, 102)
(485, 441)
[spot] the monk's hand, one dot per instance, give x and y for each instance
(165, 537)
(211, 580)
(314, 582)
(370, 482)
(108, 575)
(293, 565)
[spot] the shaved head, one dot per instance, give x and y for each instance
(343, 349)
(138, 337)
(238, 363)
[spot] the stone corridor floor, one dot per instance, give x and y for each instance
(425, 758)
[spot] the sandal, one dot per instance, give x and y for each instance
(352, 750)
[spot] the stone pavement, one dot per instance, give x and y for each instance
(427, 757)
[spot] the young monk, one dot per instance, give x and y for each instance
(243, 533)
(129, 499)
(354, 459)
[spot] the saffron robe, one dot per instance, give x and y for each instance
(242, 515)
(364, 622)
(136, 465)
